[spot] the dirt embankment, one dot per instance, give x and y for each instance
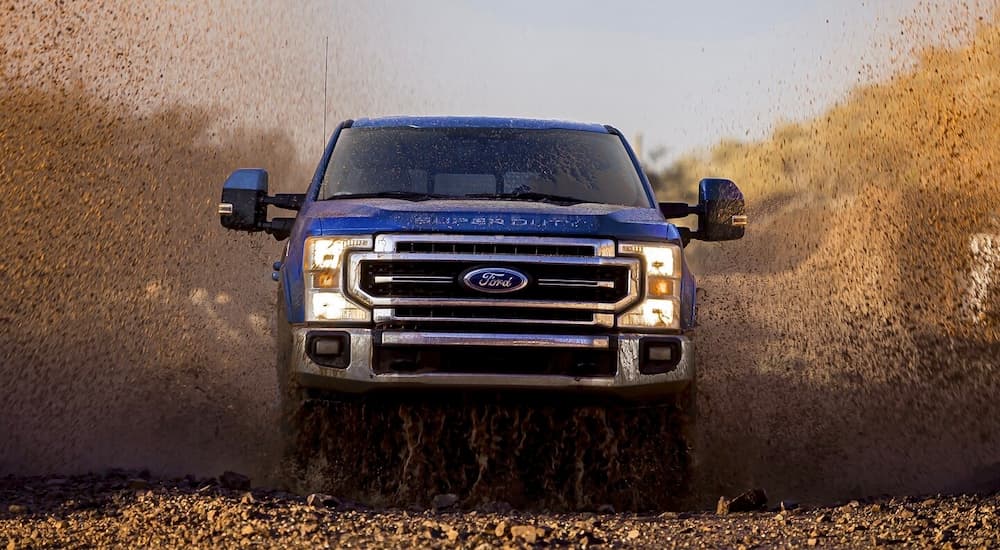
(844, 347)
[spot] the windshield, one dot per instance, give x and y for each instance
(561, 166)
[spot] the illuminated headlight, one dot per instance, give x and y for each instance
(324, 259)
(323, 253)
(332, 306)
(661, 291)
(660, 260)
(651, 314)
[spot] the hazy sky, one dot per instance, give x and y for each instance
(683, 73)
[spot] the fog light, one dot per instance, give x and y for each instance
(659, 355)
(328, 346)
(329, 349)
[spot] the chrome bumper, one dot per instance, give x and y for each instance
(359, 375)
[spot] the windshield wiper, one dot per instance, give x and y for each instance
(404, 195)
(528, 196)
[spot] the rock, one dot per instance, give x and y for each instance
(247, 498)
(138, 484)
(823, 518)
(308, 528)
(633, 534)
(501, 529)
(17, 509)
(247, 530)
(233, 480)
(722, 507)
(852, 505)
(812, 541)
(322, 500)
(605, 509)
(443, 501)
(525, 532)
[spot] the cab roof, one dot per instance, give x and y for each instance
(476, 122)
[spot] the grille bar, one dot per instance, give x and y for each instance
(415, 279)
(490, 316)
(581, 283)
(485, 245)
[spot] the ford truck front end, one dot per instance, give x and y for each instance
(482, 254)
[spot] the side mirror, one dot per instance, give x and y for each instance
(242, 207)
(721, 212)
(245, 201)
(722, 215)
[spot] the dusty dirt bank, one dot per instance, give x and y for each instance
(839, 354)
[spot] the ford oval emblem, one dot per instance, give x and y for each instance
(495, 280)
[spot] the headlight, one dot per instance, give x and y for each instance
(324, 273)
(661, 297)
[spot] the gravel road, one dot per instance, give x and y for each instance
(128, 509)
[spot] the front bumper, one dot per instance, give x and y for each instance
(359, 373)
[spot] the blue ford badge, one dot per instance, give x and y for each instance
(495, 280)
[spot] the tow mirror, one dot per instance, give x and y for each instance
(245, 201)
(242, 207)
(721, 211)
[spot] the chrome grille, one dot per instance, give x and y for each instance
(418, 277)
(441, 278)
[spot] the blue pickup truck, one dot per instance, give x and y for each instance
(482, 254)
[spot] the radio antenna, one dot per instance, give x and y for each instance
(326, 73)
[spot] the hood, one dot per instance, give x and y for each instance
(364, 216)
